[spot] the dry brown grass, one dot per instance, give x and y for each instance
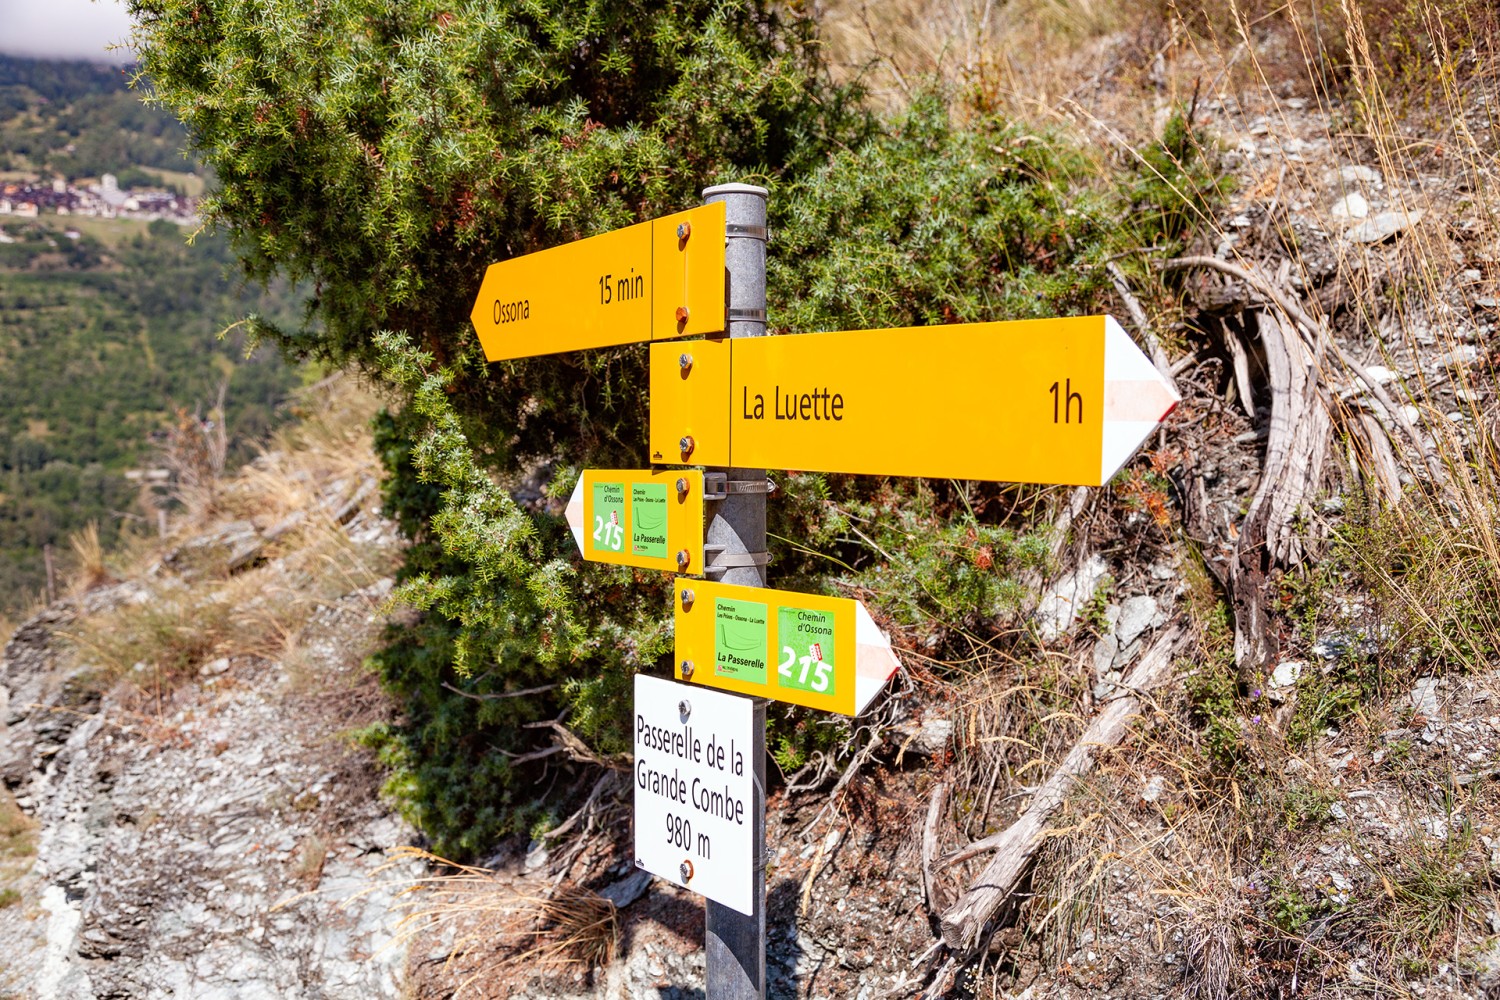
(89, 570)
(1412, 89)
(498, 929)
(292, 491)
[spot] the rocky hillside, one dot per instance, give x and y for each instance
(1241, 739)
(186, 814)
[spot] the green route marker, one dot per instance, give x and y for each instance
(637, 517)
(822, 652)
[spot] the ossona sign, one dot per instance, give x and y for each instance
(655, 280)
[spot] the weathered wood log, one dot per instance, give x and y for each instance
(1142, 323)
(938, 897)
(1244, 388)
(1377, 458)
(1297, 446)
(1319, 340)
(1015, 847)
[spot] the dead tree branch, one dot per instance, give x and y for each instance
(1016, 845)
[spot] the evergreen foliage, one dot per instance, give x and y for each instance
(390, 152)
(929, 223)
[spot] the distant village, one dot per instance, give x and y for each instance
(105, 200)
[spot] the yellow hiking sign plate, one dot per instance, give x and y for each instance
(636, 517)
(1063, 401)
(821, 652)
(651, 281)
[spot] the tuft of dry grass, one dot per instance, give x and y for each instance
(17, 830)
(308, 559)
(89, 569)
(495, 929)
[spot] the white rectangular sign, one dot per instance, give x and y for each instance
(694, 789)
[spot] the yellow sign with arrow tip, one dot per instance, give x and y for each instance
(821, 652)
(652, 281)
(637, 517)
(1064, 401)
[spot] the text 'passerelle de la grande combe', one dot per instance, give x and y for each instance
(684, 744)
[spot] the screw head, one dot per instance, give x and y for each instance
(684, 709)
(684, 361)
(686, 870)
(687, 597)
(683, 559)
(685, 443)
(682, 485)
(682, 314)
(687, 671)
(684, 230)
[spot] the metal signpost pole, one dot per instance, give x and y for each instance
(736, 944)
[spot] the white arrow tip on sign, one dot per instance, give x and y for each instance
(1136, 398)
(875, 661)
(574, 513)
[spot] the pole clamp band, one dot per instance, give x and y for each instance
(741, 315)
(714, 557)
(716, 486)
(738, 229)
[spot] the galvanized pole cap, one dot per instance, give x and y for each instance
(728, 189)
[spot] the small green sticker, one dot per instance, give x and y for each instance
(648, 519)
(805, 640)
(609, 517)
(740, 640)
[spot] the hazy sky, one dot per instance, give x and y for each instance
(68, 29)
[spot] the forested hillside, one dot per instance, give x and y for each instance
(110, 328)
(78, 120)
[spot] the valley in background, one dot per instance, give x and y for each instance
(118, 318)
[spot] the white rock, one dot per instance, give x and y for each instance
(1061, 604)
(1463, 354)
(1136, 615)
(1385, 225)
(1358, 173)
(214, 667)
(1423, 696)
(1351, 206)
(1380, 374)
(1286, 674)
(1105, 652)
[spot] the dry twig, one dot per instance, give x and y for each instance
(1016, 845)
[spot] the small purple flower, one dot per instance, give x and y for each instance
(1255, 693)
(1254, 720)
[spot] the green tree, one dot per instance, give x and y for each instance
(388, 152)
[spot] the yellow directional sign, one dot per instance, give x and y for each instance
(636, 517)
(822, 652)
(652, 281)
(1063, 401)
